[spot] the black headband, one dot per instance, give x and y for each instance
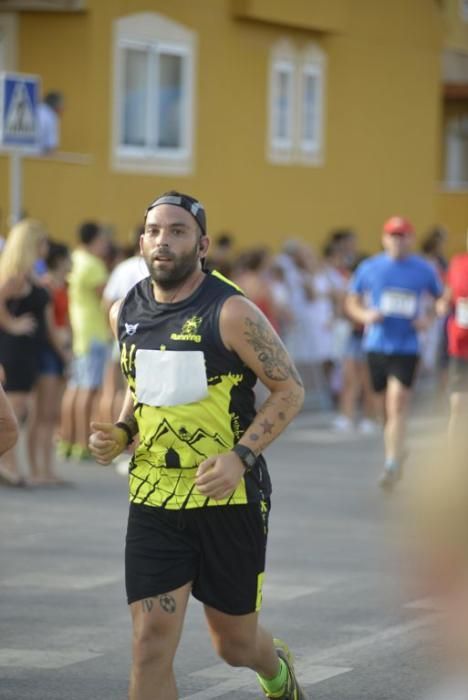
(185, 202)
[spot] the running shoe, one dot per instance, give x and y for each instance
(368, 427)
(293, 690)
(342, 424)
(391, 475)
(81, 454)
(64, 449)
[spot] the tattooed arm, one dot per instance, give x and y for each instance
(246, 331)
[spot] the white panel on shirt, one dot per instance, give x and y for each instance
(170, 377)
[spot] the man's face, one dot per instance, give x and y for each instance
(397, 246)
(171, 245)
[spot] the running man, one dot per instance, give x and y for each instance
(455, 301)
(192, 348)
(386, 295)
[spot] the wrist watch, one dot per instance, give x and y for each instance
(246, 456)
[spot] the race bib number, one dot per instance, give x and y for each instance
(395, 302)
(461, 313)
(170, 378)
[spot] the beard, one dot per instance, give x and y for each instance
(180, 269)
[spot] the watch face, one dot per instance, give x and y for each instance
(250, 460)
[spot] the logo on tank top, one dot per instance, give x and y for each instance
(189, 330)
(131, 328)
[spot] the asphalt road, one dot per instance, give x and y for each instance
(334, 587)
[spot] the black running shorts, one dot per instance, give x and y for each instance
(458, 375)
(382, 366)
(219, 549)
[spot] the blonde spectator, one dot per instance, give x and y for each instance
(25, 323)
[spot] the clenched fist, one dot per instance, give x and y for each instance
(106, 442)
(218, 477)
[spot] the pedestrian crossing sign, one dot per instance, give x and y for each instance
(19, 97)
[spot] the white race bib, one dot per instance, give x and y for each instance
(461, 312)
(169, 377)
(397, 302)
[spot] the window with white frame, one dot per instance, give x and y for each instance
(8, 41)
(311, 105)
(464, 10)
(296, 105)
(456, 152)
(282, 104)
(153, 101)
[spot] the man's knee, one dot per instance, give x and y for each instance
(151, 649)
(235, 651)
(397, 400)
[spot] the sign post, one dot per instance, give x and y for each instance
(19, 99)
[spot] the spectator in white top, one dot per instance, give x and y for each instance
(48, 119)
(126, 274)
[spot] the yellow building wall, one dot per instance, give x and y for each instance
(452, 208)
(381, 136)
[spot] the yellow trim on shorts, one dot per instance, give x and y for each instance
(260, 579)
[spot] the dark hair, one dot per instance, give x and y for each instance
(54, 99)
(329, 249)
(224, 239)
(341, 234)
(254, 259)
(57, 253)
(88, 232)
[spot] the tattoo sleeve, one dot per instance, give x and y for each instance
(270, 351)
(283, 403)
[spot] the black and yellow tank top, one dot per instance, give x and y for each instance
(193, 397)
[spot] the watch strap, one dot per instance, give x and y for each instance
(123, 426)
(246, 455)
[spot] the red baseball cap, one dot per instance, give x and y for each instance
(398, 226)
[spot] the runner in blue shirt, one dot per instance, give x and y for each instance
(386, 295)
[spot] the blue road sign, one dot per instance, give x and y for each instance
(19, 99)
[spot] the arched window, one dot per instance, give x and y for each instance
(311, 98)
(282, 102)
(154, 69)
(296, 104)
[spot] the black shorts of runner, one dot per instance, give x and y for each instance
(458, 375)
(219, 549)
(383, 366)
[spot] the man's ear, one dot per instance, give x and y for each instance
(203, 245)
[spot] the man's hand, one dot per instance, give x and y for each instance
(218, 477)
(22, 325)
(372, 316)
(423, 323)
(106, 442)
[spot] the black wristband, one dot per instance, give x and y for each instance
(246, 456)
(126, 429)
